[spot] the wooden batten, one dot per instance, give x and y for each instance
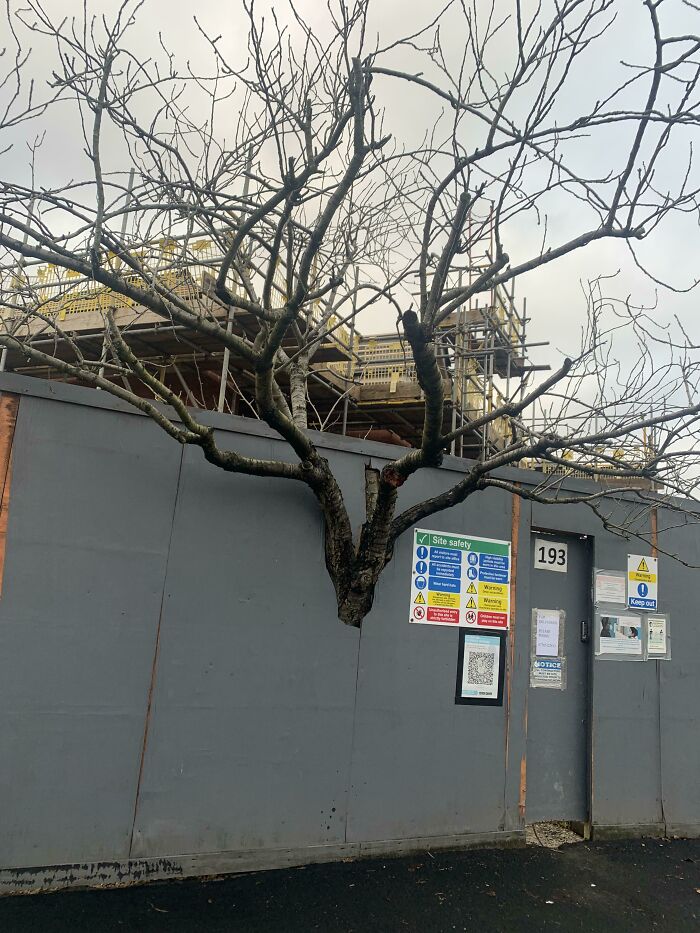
(9, 406)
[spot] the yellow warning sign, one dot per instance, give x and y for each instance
(420, 599)
(471, 604)
(443, 599)
(643, 581)
(640, 576)
(493, 597)
(471, 588)
(643, 573)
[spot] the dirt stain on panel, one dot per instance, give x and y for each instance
(9, 406)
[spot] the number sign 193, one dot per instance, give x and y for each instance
(550, 555)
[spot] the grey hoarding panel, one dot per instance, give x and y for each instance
(626, 773)
(82, 591)
(625, 756)
(252, 718)
(250, 743)
(422, 764)
(679, 587)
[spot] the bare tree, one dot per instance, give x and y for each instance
(291, 160)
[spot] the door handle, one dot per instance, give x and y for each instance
(585, 631)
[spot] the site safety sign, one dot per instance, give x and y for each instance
(642, 582)
(460, 580)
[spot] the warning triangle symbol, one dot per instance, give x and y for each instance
(420, 599)
(643, 566)
(471, 604)
(471, 588)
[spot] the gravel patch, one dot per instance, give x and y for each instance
(550, 835)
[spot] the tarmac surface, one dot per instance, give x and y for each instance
(632, 885)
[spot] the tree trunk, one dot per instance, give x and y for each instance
(358, 603)
(373, 551)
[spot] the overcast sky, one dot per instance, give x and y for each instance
(555, 300)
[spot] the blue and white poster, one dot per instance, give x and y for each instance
(642, 582)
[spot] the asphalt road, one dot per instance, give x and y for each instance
(618, 886)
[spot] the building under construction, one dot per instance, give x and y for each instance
(361, 385)
(482, 352)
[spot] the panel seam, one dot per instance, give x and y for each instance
(154, 664)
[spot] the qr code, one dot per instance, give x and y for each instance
(480, 667)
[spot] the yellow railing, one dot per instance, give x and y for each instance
(65, 292)
(61, 299)
(636, 457)
(386, 362)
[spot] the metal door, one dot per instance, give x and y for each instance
(557, 720)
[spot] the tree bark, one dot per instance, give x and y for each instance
(373, 550)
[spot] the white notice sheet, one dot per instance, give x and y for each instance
(657, 635)
(547, 634)
(610, 588)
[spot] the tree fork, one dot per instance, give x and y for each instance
(371, 555)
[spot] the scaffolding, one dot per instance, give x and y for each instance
(363, 385)
(482, 353)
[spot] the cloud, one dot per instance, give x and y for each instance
(555, 302)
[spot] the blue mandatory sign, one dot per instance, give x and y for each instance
(420, 583)
(421, 567)
(634, 602)
(472, 573)
(473, 558)
(446, 555)
(642, 589)
(494, 562)
(440, 585)
(444, 570)
(422, 552)
(486, 575)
